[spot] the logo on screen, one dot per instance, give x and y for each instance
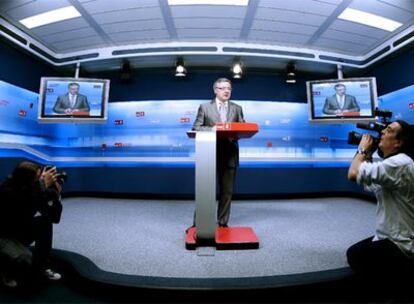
(411, 105)
(119, 122)
(324, 139)
(22, 113)
(97, 86)
(363, 85)
(140, 114)
(184, 120)
(49, 90)
(316, 93)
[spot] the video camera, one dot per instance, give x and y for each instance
(354, 138)
(61, 177)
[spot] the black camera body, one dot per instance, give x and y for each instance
(354, 138)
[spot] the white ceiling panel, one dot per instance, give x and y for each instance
(210, 33)
(208, 11)
(308, 6)
(281, 38)
(289, 16)
(60, 27)
(341, 46)
(14, 4)
(224, 23)
(36, 7)
(308, 26)
(294, 28)
(105, 6)
(78, 44)
(128, 26)
(384, 9)
(140, 36)
(407, 5)
(351, 27)
(128, 15)
(351, 38)
(69, 35)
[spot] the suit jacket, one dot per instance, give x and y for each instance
(227, 148)
(63, 103)
(332, 105)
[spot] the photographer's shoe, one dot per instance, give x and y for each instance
(52, 275)
(10, 283)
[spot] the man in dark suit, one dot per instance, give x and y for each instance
(72, 101)
(221, 109)
(340, 102)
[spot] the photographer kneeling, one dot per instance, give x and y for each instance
(29, 205)
(391, 249)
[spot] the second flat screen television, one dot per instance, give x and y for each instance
(73, 99)
(342, 100)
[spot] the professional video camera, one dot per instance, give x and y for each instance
(354, 138)
(61, 177)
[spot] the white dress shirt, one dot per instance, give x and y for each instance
(341, 100)
(72, 99)
(219, 103)
(392, 181)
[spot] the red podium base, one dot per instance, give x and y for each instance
(228, 238)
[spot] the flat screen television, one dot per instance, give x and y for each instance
(342, 100)
(73, 100)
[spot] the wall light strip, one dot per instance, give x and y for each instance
(209, 2)
(52, 16)
(369, 19)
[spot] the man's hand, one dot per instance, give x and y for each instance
(366, 143)
(68, 111)
(48, 176)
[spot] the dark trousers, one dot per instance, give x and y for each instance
(226, 177)
(378, 259)
(17, 259)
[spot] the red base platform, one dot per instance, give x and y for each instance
(228, 238)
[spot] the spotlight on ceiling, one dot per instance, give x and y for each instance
(237, 70)
(291, 73)
(180, 70)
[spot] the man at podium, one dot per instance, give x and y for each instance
(220, 110)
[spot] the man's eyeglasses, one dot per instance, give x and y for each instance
(224, 88)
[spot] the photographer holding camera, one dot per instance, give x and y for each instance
(391, 249)
(29, 205)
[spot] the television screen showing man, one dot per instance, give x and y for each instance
(72, 102)
(340, 103)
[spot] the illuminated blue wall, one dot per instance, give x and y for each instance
(143, 148)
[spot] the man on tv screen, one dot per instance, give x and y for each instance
(340, 102)
(71, 102)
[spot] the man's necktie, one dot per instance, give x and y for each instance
(223, 113)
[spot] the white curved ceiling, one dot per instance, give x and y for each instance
(310, 26)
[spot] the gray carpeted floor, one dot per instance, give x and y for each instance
(146, 237)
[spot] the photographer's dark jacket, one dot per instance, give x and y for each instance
(19, 206)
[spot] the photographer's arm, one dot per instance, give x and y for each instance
(365, 146)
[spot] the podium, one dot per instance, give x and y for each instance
(206, 232)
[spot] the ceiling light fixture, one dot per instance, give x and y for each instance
(237, 70)
(369, 19)
(180, 70)
(60, 14)
(209, 2)
(291, 73)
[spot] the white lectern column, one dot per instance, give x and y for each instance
(205, 169)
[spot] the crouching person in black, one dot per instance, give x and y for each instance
(29, 205)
